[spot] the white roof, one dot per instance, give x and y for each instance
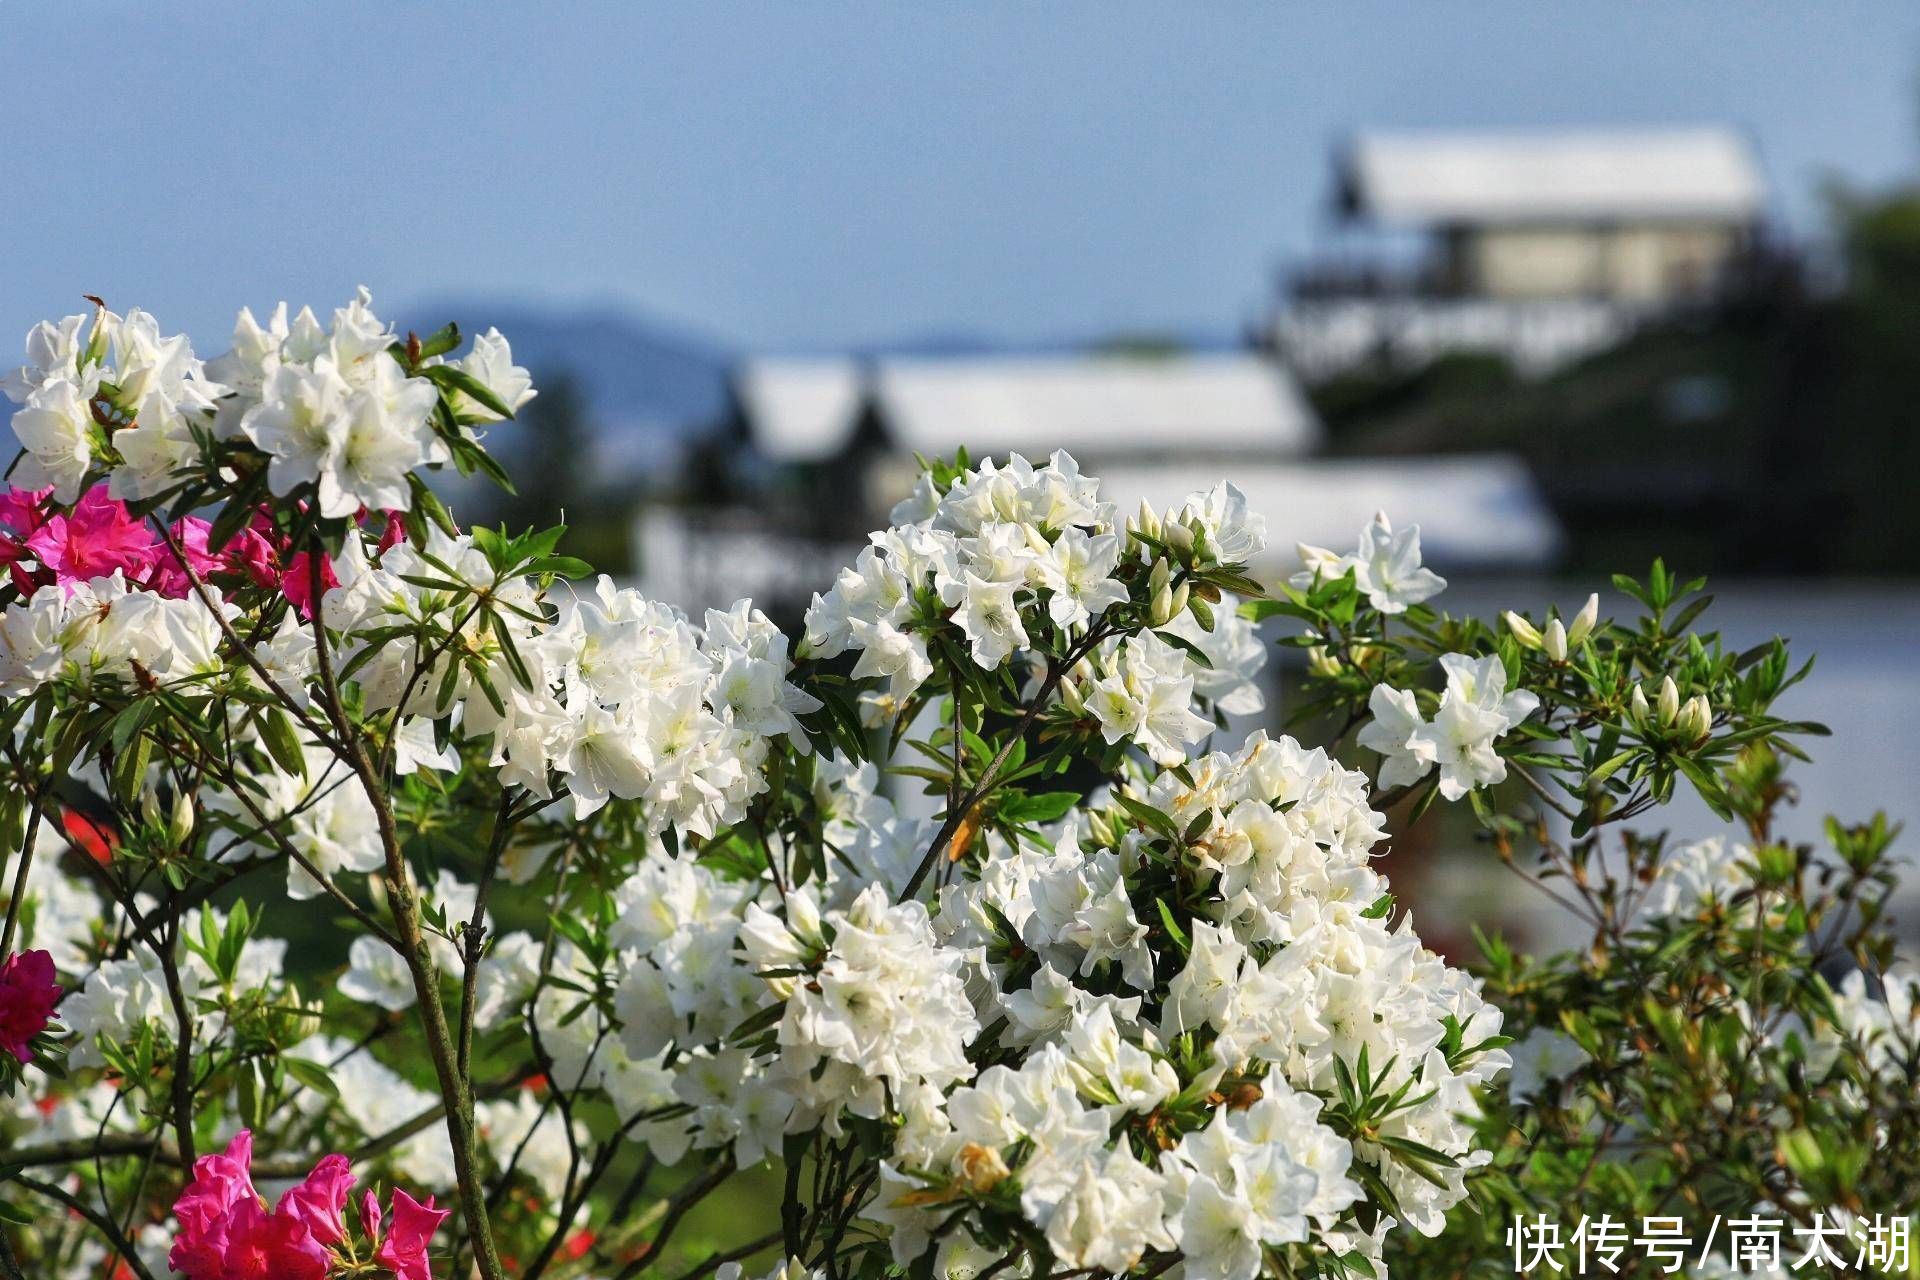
(1092, 404)
(1555, 176)
(799, 409)
(1474, 510)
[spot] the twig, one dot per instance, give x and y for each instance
(732, 1255)
(19, 898)
(474, 941)
(1056, 671)
(455, 1088)
(675, 1210)
(106, 1226)
(183, 1049)
(245, 650)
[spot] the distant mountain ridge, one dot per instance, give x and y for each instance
(650, 387)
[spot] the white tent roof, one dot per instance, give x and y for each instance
(1474, 510)
(1552, 176)
(1099, 405)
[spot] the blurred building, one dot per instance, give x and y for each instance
(816, 452)
(848, 430)
(1539, 247)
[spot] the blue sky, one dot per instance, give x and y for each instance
(781, 175)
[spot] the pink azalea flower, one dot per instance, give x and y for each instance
(264, 556)
(169, 578)
(91, 541)
(255, 551)
(404, 1251)
(297, 582)
(28, 994)
(321, 1201)
(206, 1208)
(396, 531)
(22, 511)
(270, 1246)
(226, 1233)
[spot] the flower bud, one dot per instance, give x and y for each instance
(1181, 594)
(1583, 622)
(1696, 718)
(1554, 640)
(803, 919)
(1179, 537)
(1158, 579)
(1637, 705)
(1322, 663)
(1161, 612)
(1669, 703)
(180, 825)
(1071, 698)
(1100, 826)
(1525, 632)
(1198, 528)
(1145, 521)
(305, 1023)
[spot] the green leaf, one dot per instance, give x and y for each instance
(440, 341)
(1607, 769)
(131, 720)
(1173, 928)
(130, 769)
(451, 378)
(1047, 806)
(1187, 646)
(311, 1074)
(276, 731)
(1149, 816)
(1261, 610)
(509, 650)
(561, 566)
(758, 1022)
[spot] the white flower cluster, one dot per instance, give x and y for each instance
(1386, 567)
(1032, 1029)
(102, 628)
(326, 404)
(883, 1010)
(1475, 710)
(1012, 555)
(1698, 875)
(329, 406)
(1884, 1024)
(1135, 1029)
(980, 553)
(1288, 979)
(322, 813)
(121, 996)
(621, 696)
(125, 370)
